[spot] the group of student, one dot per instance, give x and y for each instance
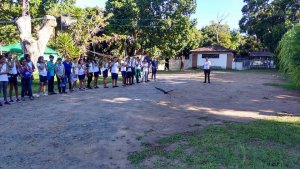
(69, 72)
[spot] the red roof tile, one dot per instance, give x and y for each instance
(213, 48)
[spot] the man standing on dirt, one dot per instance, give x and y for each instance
(206, 67)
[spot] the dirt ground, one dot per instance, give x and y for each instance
(98, 128)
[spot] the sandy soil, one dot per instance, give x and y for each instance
(98, 128)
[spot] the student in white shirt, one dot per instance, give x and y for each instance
(81, 74)
(115, 72)
(145, 71)
(90, 73)
(42, 68)
(128, 72)
(105, 66)
(207, 69)
(3, 79)
(13, 64)
(97, 72)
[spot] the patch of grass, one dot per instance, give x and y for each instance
(260, 144)
(289, 85)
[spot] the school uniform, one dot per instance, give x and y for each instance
(123, 71)
(42, 72)
(13, 73)
(81, 72)
(128, 70)
(115, 71)
(105, 69)
(96, 71)
(75, 72)
(3, 82)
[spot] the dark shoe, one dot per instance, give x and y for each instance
(65, 92)
(18, 100)
(96, 87)
(7, 103)
(90, 88)
(31, 98)
(204, 82)
(116, 86)
(23, 99)
(1, 104)
(54, 93)
(11, 101)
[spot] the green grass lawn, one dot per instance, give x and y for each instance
(288, 85)
(260, 144)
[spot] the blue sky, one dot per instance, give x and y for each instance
(207, 10)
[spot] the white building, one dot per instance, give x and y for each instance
(219, 56)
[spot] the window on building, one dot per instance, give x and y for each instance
(211, 56)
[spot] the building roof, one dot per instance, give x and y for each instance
(212, 48)
(261, 54)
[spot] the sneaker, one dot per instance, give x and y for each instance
(54, 93)
(90, 88)
(18, 100)
(23, 99)
(31, 98)
(45, 94)
(37, 95)
(7, 103)
(11, 101)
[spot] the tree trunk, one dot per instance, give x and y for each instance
(30, 45)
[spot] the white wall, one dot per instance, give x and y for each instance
(219, 62)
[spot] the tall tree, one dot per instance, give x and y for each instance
(268, 20)
(289, 54)
(162, 27)
(217, 33)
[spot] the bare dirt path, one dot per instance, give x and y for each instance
(98, 128)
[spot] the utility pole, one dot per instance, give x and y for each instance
(25, 8)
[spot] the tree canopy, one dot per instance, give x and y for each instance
(269, 20)
(161, 27)
(289, 53)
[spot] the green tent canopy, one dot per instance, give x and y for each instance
(16, 48)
